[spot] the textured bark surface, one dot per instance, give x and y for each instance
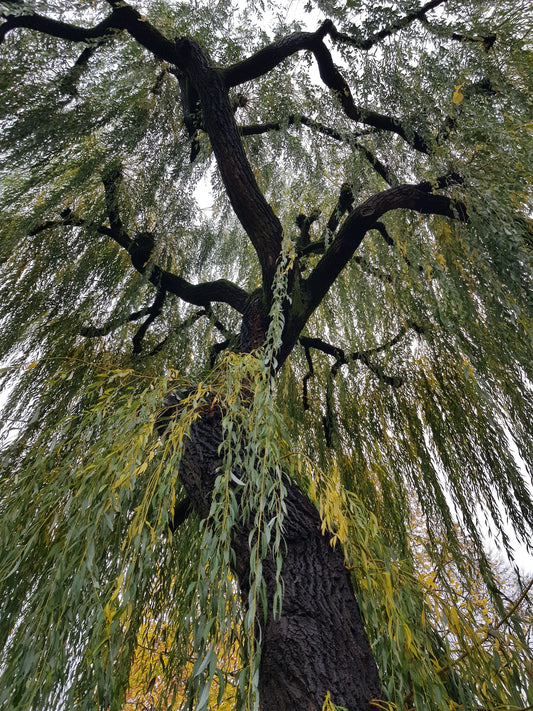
(318, 644)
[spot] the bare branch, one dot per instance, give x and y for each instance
(486, 41)
(363, 356)
(294, 120)
(349, 139)
(106, 329)
(70, 80)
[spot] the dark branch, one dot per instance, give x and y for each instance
(140, 249)
(310, 373)
(304, 223)
(217, 348)
(145, 33)
(334, 80)
(154, 312)
(70, 80)
(364, 218)
(381, 168)
(269, 57)
(106, 329)
(344, 205)
(255, 214)
(192, 112)
(349, 139)
(350, 235)
(295, 120)
(486, 41)
(62, 30)
(203, 294)
(181, 513)
(363, 356)
(400, 24)
(273, 54)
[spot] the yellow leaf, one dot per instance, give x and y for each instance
(142, 468)
(109, 613)
(31, 365)
(457, 95)
(453, 619)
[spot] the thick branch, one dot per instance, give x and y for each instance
(140, 249)
(62, 30)
(350, 236)
(269, 57)
(255, 214)
(145, 33)
(221, 290)
(363, 218)
(334, 80)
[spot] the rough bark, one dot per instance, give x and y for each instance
(319, 643)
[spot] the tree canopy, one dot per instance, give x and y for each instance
(210, 408)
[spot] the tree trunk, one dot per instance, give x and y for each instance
(318, 644)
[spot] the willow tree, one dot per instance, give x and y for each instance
(263, 438)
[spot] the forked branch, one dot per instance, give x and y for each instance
(140, 250)
(394, 27)
(363, 218)
(271, 56)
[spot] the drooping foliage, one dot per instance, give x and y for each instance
(392, 382)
